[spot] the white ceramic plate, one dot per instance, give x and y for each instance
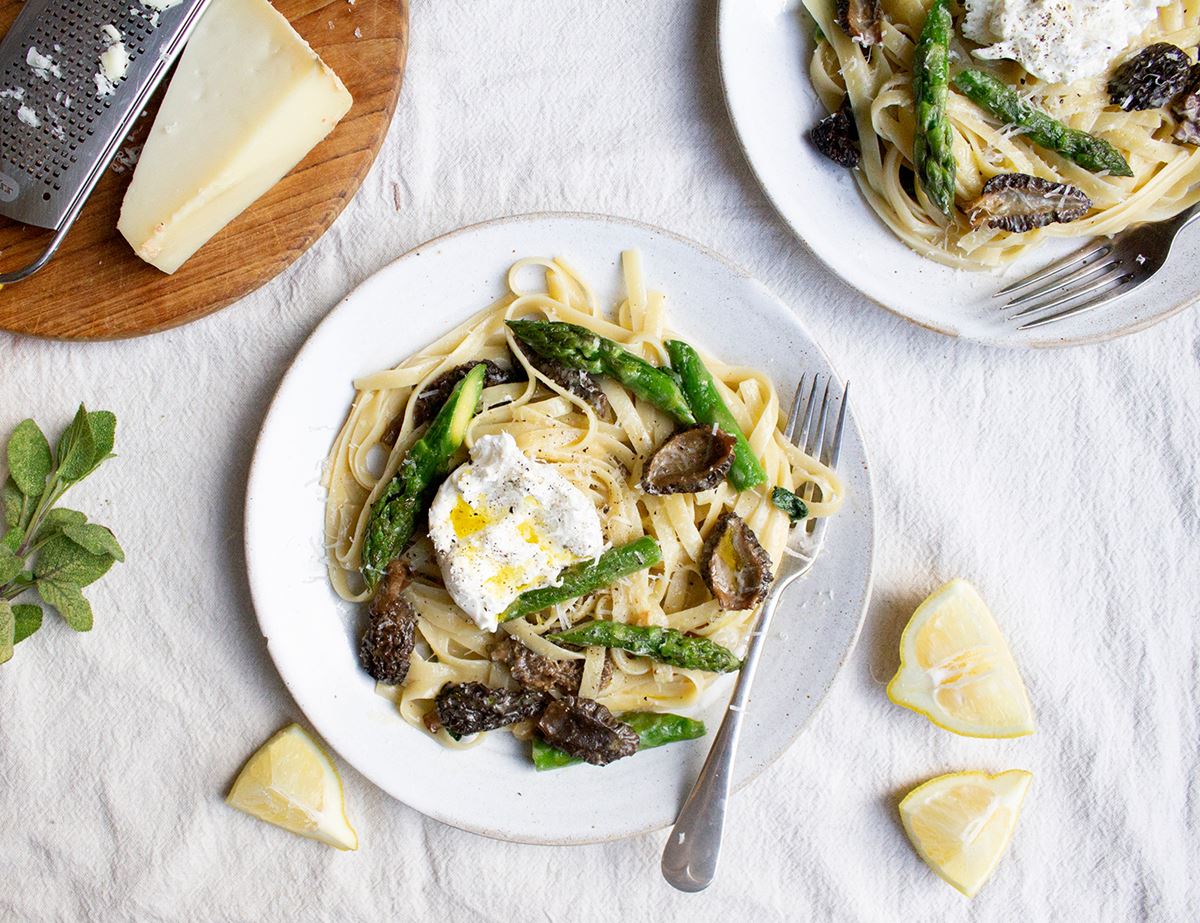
(765, 47)
(312, 634)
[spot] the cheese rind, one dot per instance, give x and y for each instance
(248, 101)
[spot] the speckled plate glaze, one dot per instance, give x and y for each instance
(492, 789)
(764, 48)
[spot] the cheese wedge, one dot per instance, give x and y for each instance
(248, 101)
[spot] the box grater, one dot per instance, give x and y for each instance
(60, 122)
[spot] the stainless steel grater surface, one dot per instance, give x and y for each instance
(62, 119)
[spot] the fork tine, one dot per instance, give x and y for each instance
(835, 450)
(814, 445)
(801, 438)
(794, 412)
(1088, 282)
(1075, 277)
(1121, 289)
(810, 440)
(1081, 257)
(1112, 277)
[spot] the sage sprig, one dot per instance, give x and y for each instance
(45, 548)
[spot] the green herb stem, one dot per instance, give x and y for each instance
(17, 586)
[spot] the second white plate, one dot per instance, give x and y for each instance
(765, 47)
(312, 634)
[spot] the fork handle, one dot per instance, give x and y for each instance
(689, 860)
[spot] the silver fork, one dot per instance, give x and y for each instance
(689, 861)
(1099, 273)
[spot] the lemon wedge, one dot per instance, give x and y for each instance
(962, 823)
(291, 782)
(957, 670)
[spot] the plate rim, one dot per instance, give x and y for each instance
(726, 8)
(257, 460)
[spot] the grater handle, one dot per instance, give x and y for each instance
(26, 271)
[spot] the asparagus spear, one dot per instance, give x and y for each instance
(791, 504)
(1005, 103)
(705, 402)
(580, 348)
(653, 730)
(394, 515)
(588, 576)
(933, 150)
(664, 644)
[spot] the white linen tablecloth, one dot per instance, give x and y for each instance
(1062, 483)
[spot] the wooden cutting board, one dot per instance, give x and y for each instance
(96, 288)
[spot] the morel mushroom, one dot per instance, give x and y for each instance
(1186, 107)
(862, 20)
(1187, 132)
(533, 671)
(434, 394)
(836, 136)
(1018, 202)
(471, 708)
(695, 459)
(735, 566)
(1151, 78)
(577, 381)
(388, 641)
(587, 730)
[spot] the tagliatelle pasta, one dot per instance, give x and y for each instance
(1166, 174)
(604, 459)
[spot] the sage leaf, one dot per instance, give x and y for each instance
(7, 628)
(27, 618)
(13, 503)
(76, 449)
(67, 598)
(68, 552)
(57, 519)
(790, 503)
(61, 516)
(94, 538)
(29, 460)
(104, 433)
(10, 564)
(63, 561)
